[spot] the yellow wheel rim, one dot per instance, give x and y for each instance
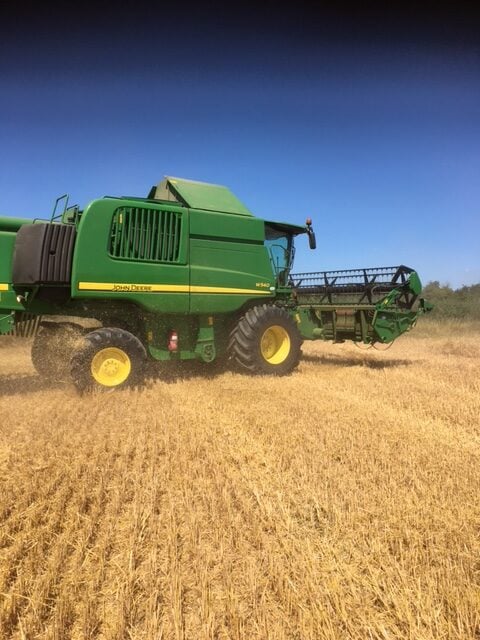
(110, 367)
(275, 344)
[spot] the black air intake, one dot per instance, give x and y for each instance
(43, 254)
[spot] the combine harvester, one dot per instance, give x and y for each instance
(186, 273)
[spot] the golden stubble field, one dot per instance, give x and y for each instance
(339, 502)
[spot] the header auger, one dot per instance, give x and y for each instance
(186, 273)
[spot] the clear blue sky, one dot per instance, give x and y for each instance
(377, 140)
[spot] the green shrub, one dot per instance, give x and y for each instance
(463, 303)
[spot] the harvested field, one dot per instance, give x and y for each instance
(339, 502)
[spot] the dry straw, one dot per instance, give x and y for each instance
(339, 502)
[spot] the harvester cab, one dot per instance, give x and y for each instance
(189, 272)
(279, 241)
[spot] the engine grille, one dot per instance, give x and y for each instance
(147, 235)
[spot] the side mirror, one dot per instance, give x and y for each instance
(312, 243)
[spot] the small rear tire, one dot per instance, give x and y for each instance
(108, 359)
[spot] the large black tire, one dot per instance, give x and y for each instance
(52, 348)
(265, 340)
(108, 359)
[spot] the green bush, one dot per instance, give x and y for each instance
(463, 303)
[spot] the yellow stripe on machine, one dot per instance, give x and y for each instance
(195, 289)
(130, 287)
(4, 286)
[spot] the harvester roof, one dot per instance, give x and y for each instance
(199, 195)
(210, 197)
(283, 227)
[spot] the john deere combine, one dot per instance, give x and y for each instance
(185, 273)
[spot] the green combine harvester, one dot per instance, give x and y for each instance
(187, 273)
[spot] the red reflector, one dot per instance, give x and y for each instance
(172, 341)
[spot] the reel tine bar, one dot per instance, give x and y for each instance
(352, 286)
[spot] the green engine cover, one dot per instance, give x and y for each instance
(169, 258)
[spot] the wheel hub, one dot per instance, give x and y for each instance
(275, 344)
(110, 366)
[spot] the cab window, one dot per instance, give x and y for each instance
(280, 249)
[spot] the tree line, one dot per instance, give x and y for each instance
(462, 303)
